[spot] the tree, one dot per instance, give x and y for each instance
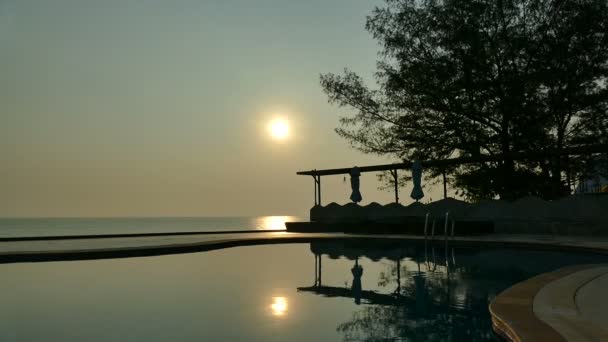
(482, 77)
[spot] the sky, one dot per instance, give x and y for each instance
(160, 108)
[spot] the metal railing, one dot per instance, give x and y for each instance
(447, 222)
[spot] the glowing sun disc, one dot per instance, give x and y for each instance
(279, 129)
(279, 306)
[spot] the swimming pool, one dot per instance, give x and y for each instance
(318, 291)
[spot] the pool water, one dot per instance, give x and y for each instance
(322, 291)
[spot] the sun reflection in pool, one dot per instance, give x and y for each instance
(279, 306)
(274, 222)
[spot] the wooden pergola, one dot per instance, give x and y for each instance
(445, 163)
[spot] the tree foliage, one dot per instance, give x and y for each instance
(483, 77)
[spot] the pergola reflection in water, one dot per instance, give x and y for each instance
(396, 254)
(419, 303)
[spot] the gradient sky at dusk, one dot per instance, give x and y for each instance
(159, 108)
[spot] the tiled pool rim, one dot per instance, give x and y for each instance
(546, 307)
(512, 310)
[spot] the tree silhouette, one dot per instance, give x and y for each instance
(480, 77)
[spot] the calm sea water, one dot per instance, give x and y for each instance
(17, 227)
(330, 291)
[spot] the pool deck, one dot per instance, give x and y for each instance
(569, 304)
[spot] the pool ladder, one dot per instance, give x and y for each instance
(445, 226)
(445, 234)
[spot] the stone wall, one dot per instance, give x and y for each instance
(571, 215)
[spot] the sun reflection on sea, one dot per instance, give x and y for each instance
(279, 306)
(274, 222)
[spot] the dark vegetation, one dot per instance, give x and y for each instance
(484, 77)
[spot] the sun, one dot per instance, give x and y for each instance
(279, 129)
(279, 306)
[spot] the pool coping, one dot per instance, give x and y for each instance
(31, 251)
(127, 235)
(512, 311)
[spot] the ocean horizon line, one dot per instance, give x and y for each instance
(146, 217)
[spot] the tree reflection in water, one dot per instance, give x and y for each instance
(429, 296)
(426, 309)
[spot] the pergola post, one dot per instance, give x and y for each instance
(317, 179)
(394, 173)
(319, 191)
(445, 187)
(314, 178)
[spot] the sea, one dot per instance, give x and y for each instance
(28, 227)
